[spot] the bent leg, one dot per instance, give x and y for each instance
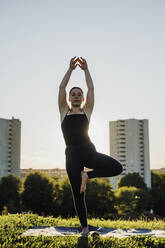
(103, 165)
(74, 173)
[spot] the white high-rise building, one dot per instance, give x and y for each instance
(129, 144)
(10, 144)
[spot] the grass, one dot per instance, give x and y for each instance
(13, 225)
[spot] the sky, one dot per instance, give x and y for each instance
(123, 43)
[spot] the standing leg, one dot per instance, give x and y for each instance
(103, 166)
(74, 168)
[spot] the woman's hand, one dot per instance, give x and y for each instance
(83, 64)
(73, 62)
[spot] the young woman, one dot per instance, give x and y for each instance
(80, 151)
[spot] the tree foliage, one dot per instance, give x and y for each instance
(64, 201)
(99, 198)
(38, 193)
(132, 200)
(132, 179)
(158, 192)
(53, 196)
(10, 187)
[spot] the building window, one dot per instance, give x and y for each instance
(121, 134)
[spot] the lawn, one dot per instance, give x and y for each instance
(13, 225)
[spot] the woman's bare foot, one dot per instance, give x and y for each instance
(84, 177)
(85, 231)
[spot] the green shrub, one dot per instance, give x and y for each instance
(132, 200)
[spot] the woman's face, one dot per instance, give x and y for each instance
(76, 97)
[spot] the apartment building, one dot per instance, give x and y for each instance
(10, 146)
(129, 144)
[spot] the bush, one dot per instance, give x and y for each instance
(132, 200)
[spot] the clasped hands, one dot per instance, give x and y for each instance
(81, 63)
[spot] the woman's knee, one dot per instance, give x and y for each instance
(119, 167)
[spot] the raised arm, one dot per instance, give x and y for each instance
(89, 104)
(62, 103)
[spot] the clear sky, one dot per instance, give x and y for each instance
(123, 42)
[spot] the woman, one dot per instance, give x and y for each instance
(80, 151)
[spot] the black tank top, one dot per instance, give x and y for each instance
(75, 129)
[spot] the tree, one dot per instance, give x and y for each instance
(132, 179)
(100, 198)
(38, 193)
(57, 196)
(64, 200)
(158, 192)
(10, 188)
(132, 200)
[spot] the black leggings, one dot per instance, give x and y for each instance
(86, 155)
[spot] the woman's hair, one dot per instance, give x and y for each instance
(75, 87)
